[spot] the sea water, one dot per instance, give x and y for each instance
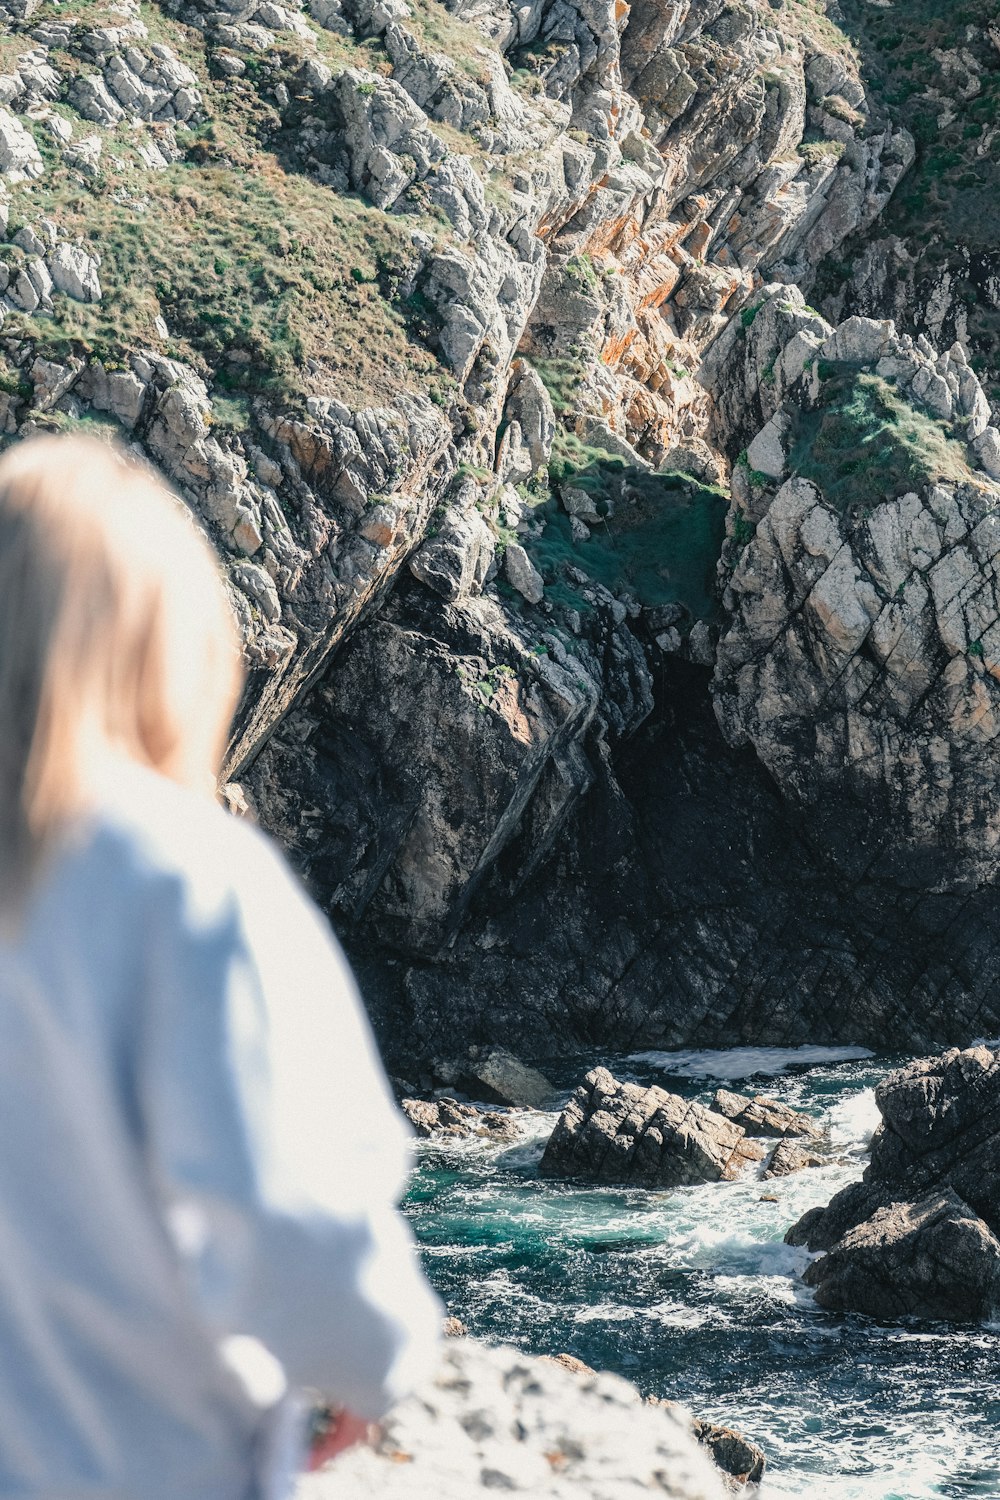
(692, 1293)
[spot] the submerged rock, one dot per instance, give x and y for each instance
(761, 1116)
(918, 1235)
(495, 1419)
(738, 1458)
(621, 1132)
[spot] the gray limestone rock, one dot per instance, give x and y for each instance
(19, 155)
(621, 1132)
(507, 1079)
(762, 1116)
(522, 573)
(787, 1157)
(530, 405)
(75, 272)
(987, 450)
(455, 562)
(860, 658)
(766, 454)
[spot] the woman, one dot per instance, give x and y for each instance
(199, 1157)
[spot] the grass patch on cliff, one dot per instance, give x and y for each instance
(658, 539)
(865, 444)
(811, 20)
(915, 58)
(918, 63)
(267, 280)
(252, 270)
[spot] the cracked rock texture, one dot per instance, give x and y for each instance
(620, 1132)
(919, 1234)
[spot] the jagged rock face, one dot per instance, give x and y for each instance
(317, 490)
(416, 759)
(919, 1233)
(933, 263)
(940, 1122)
(497, 1419)
(413, 307)
(674, 239)
(620, 1132)
(863, 653)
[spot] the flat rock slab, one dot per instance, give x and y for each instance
(622, 1133)
(761, 1116)
(507, 1079)
(932, 1259)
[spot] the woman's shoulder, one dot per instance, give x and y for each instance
(162, 835)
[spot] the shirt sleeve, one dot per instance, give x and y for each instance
(278, 1150)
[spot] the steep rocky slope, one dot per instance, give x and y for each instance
(452, 324)
(933, 263)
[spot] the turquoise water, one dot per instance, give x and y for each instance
(692, 1294)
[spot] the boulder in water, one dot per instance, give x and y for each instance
(788, 1157)
(446, 1117)
(739, 1459)
(621, 1132)
(507, 1080)
(919, 1234)
(934, 1258)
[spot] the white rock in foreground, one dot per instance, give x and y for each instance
(495, 1419)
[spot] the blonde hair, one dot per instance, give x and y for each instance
(116, 638)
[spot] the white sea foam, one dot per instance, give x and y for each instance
(745, 1062)
(914, 1471)
(604, 1312)
(709, 1249)
(853, 1121)
(681, 1315)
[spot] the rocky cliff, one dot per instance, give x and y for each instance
(619, 625)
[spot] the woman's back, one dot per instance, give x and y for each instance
(195, 1142)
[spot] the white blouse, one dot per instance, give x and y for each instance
(199, 1155)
